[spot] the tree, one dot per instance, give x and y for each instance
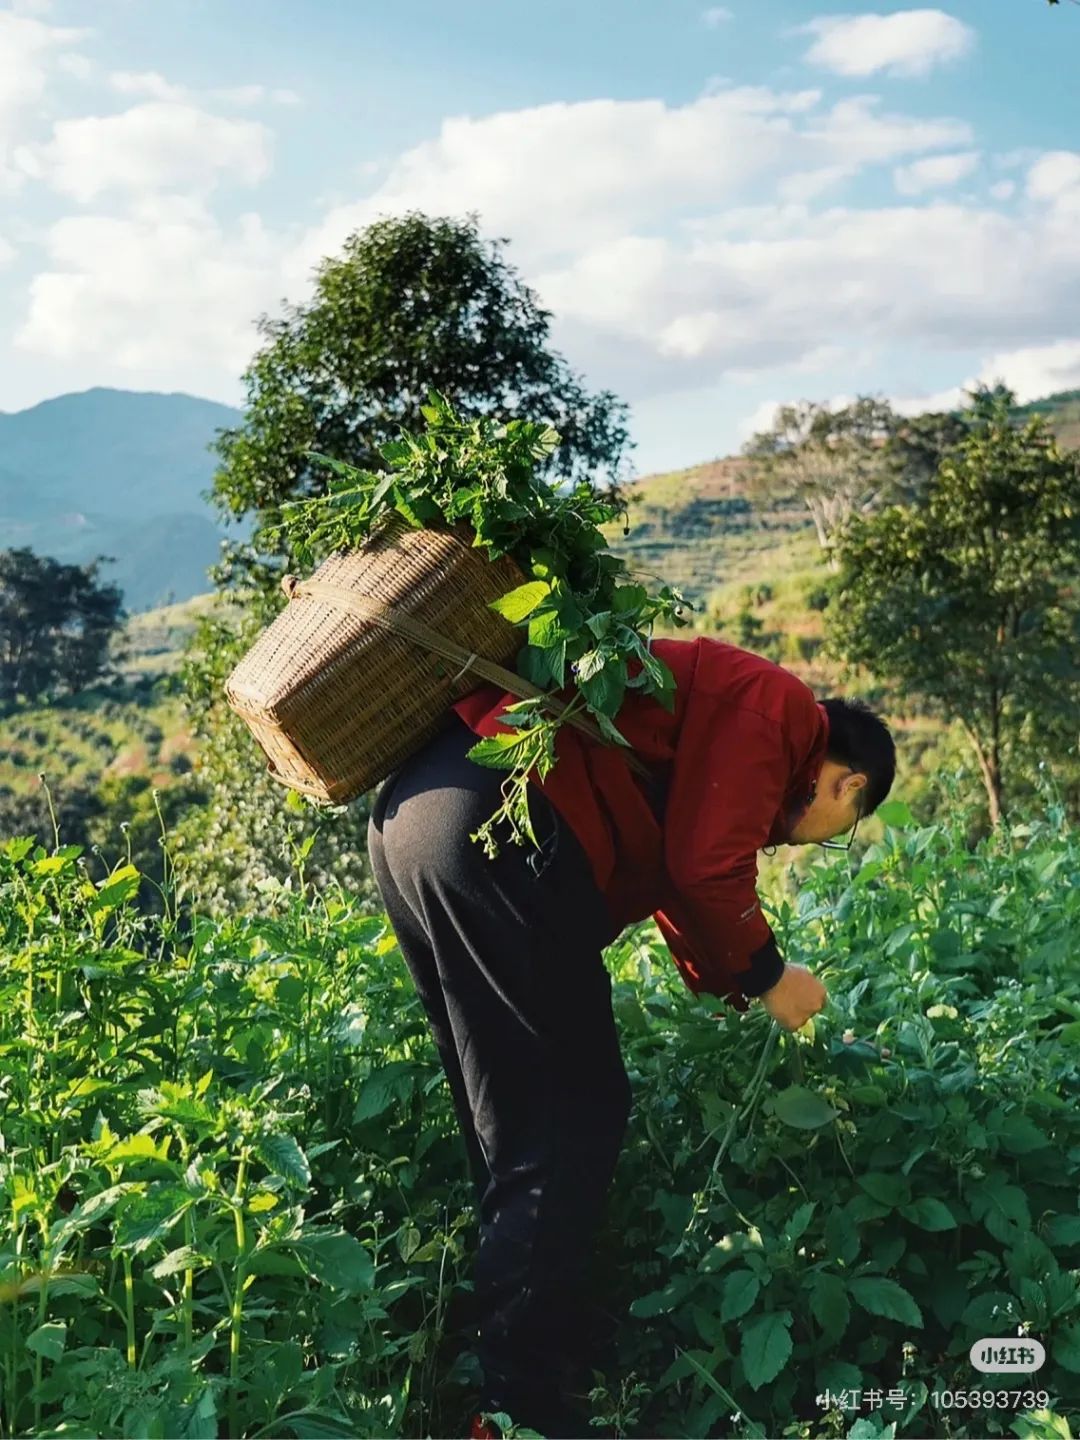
(412, 303)
(972, 598)
(833, 460)
(56, 624)
(918, 445)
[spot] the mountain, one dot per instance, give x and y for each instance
(119, 473)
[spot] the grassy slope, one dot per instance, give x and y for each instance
(132, 727)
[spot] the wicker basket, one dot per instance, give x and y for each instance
(335, 695)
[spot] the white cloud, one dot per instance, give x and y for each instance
(166, 289)
(951, 399)
(246, 95)
(156, 146)
(26, 45)
(146, 82)
(665, 312)
(907, 42)
(81, 67)
(154, 85)
(717, 15)
(1036, 370)
(1003, 190)
(562, 177)
(762, 417)
(935, 172)
(28, 48)
(1055, 178)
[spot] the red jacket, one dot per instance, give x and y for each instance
(737, 758)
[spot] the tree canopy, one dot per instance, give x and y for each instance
(971, 597)
(412, 303)
(56, 624)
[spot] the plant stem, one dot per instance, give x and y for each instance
(189, 1279)
(43, 1304)
(129, 1310)
(236, 1315)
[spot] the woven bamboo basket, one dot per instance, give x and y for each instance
(358, 670)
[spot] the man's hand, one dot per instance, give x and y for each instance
(795, 997)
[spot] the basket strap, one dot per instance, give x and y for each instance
(368, 608)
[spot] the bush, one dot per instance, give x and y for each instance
(230, 1151)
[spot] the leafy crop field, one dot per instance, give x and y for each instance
(236, 1202)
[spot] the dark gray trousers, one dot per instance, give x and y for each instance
(506, 958)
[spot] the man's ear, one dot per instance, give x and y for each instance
(857, 781)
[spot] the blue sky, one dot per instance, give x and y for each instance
(724, 207)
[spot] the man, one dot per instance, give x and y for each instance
(506, 953)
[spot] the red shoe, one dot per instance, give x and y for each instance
(481, 1430)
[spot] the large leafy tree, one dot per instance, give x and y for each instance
(835, 461)
(56, 625)
(971, 598)
(412, 303)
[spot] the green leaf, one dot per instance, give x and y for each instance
(517, 604)
(878, 1295)
(339, 1260)
(895, 813)
(885, 1188)
(802, 1109)
(609, 731)
(740, 1290)
(185, 1258)
(766, 1347)
(797, 1225)
(392, 1082)
(545, 628)
(408, 1242)
(661, 1302)
(283, 1156)
(121, 886)
(1066, 1347)
(629, 599)
(497, 752)
(829, 1304)
(929, 1213)
(605, 691)
(590, 665)
(48, 1339)
(1063, 1230)
(149, 1217)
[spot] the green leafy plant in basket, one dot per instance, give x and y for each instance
(588, 626)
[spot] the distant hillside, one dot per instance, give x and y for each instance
(1063, 412)
(119, 473)
(698, 528)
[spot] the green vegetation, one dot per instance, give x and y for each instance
(581, 619)
(971, 599)
(56, 625)
(412, 304)
(238, 1201)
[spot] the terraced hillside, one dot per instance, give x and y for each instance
(698, 529)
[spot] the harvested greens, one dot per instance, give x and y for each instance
(586, 622)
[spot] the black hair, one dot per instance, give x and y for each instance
(861, 739)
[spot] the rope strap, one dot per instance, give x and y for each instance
(365, 607)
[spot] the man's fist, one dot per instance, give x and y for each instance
(795, 997)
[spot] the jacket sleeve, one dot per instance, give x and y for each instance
(730, 775)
